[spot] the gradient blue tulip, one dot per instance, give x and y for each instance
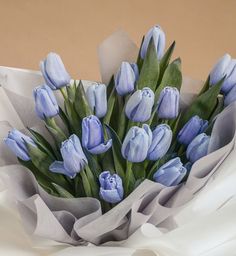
(97, 99)
(171, 173)
(54, 72)
(191, 129)
(198, 147)
(111, 188)
(45, 102)
(136, 71)
(137, 143)
(16, 142)
(93, 136)
(168, 103)
(230, 97)
(226, 66)
(159, 41)
(139, 105)
(125, 78)
(161, 141)
(74, 159)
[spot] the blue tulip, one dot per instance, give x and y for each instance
(16, 142)
(168, 103)
(93, 136)
(134, 66)
(97, 99)
(54, 72)
(137, 143)
(161, 140)
(111, 188)
(74, 159)
(230, 97)
(191, 129)
(171, 173)
(159, 41)
(198, 147)
(224, 67)
(125, 78)
(45, 102)
(139, 105)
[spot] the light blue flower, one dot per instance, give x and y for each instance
(16, 142)
(125, 78)
(226, 66)
(45, 102)
(161, 141)
(159, 41)
(74, 159)
(97, 99)
(168, 103)
(191, 129)
(171, 173)
(111, 188)
(139, 105)
(198, 147)
(93, 136)
(137, 143)
(54, 72)
(230, 97)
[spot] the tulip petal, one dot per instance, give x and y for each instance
(58, 167)
(101, 148)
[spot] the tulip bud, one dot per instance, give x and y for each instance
(16, 142)
(45, 102)
(111, 188)
(139, 105)
(97, 99)
(171, 173)
(93, 136)
(191, 129)
(198, 147)
(168, 103)
(74, 159)
(159, 41)
(230, 97)
(125, 78)
(136, 143)
(54, 72)
(161, 140)
(226, 66)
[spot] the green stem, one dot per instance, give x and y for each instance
(92, 181)
(60, 135)
(128, 176)
(63, 92)
(86, 184)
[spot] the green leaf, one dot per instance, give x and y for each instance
(172, 77)
(93, 163)
(71, 89)
(204, 104)
(81, 104)
(110, 106)
(66, 121)
(206, 86)
(153, 170)
(139, 59)
(150, 69)
(110, 86)
(61, 191)
(119, 161)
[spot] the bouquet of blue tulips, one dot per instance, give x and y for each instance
(109, 138)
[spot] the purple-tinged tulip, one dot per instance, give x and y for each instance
(230, 97)
(97, 99)
(111, 188)
(191, 129)
(168, 103)
(159, 41)
(171, 173)
(226, 66)
(125, 78)
(16, 142)
(139, 105)
(136, 143)
(74, 159)
(93, 136)
(161, 140)
(45, 102)
(54, 72)
(198, 147)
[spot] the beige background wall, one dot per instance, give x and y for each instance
(29, 29)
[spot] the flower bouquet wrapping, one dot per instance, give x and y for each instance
(99, 160)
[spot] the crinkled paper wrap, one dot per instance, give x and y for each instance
(80, 220)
